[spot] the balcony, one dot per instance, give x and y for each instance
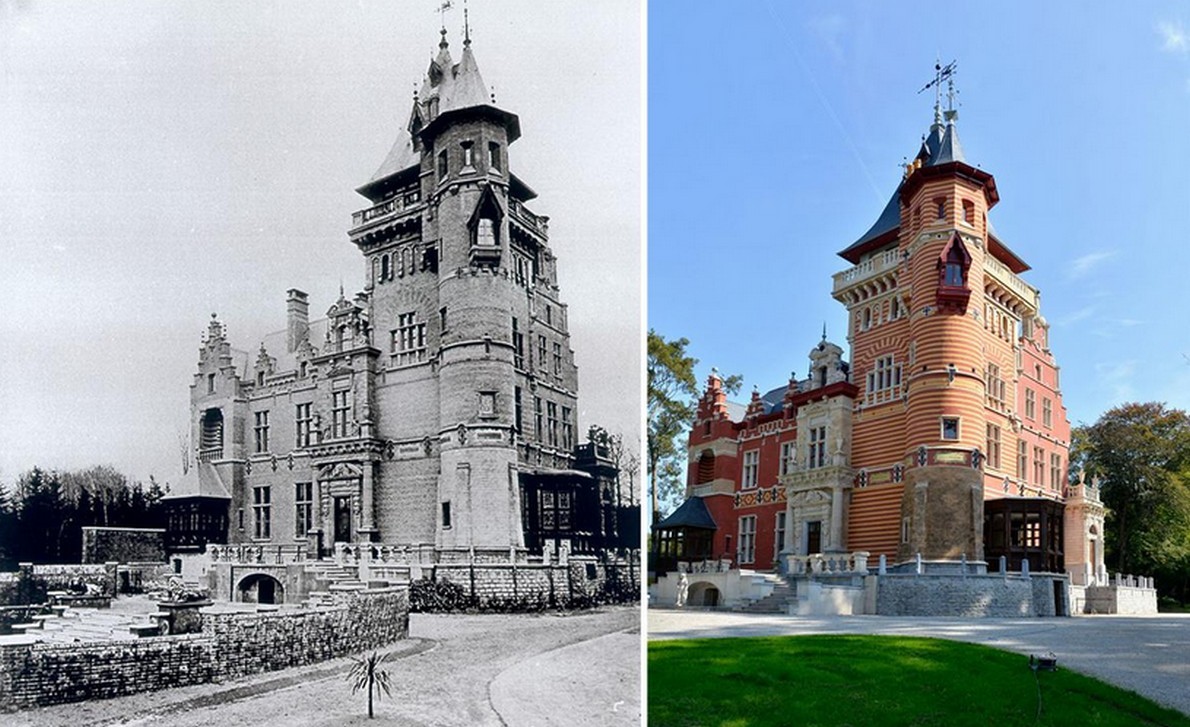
(998, 274)
(537, 223)
(404, 200)
(878, 271)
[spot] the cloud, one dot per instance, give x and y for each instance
(830, 28)
(1116, 379)
(1081, 314)
(1173, 37)
(1083, 265)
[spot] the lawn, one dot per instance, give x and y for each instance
(875, 680)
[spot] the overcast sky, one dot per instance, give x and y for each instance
(1080, 110)
(163, 161)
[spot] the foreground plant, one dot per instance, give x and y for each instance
(366, 673)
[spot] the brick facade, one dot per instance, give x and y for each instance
(951, 399)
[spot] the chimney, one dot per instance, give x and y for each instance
(297, 327)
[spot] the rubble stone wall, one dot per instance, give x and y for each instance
(578, 578)
(230, 645)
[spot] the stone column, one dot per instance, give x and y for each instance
(314, 536)
(367, 524)
(836, 536)
(787, 546)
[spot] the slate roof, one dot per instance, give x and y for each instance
(941, 146)
(194, 483)
(693, 513)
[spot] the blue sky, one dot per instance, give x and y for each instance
(776, 135)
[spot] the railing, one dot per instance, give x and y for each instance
(210, 455)
(377, 554)
(402, 201)
(828, 564)
(873, 266)
(256, 554)
(1000, 272)
(706, 566)
(536, 222)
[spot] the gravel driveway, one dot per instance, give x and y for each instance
(449, 672)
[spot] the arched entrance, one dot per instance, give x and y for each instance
(260, 588)
(702, 594)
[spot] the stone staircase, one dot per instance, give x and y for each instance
(331, 578)
(782, 595)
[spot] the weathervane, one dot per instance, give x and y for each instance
(942, 73)
(446, 5)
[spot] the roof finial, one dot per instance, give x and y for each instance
(941, 73)
(824, 331)
(446, 5)
(951, 112)
(466, 26)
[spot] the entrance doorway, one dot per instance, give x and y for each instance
(813, 537)
(342, 519)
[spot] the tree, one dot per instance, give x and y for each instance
(366, 674)
(625, 459)
(672, 400)
(1141, 454)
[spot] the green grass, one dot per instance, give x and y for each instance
(875, 680)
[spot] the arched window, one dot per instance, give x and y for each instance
(385, 267)
(706, 468)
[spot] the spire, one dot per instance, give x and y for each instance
(466, 27)
(824, 331)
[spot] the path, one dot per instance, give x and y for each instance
(442, 675)
(1147, 654)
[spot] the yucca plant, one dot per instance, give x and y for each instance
(366, 673)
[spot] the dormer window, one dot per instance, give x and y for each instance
(954, 263)
(485, 232)
(485, 228)
(954, 274)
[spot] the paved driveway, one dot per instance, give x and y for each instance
(1147, 654)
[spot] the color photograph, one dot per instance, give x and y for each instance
(911, 370)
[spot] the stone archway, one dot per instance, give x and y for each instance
(703, 594)
(260, 588)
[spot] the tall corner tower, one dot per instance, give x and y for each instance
(480, 380)
(939, 325)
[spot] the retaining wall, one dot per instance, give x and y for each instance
(124, 545)
(947, 595)
(555, 583)
(230, 645)
(30, 583)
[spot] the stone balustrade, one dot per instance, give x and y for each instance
(263, 554)
(873, 266)
(827, 564)
(705, 566)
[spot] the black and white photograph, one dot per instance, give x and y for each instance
(322, 362)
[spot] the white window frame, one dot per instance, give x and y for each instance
(779, 524)
(958, 428)
(816, 451)
(788, 456)
(751, 470)
(746, 545)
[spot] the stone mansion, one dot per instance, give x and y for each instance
(434, 409)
